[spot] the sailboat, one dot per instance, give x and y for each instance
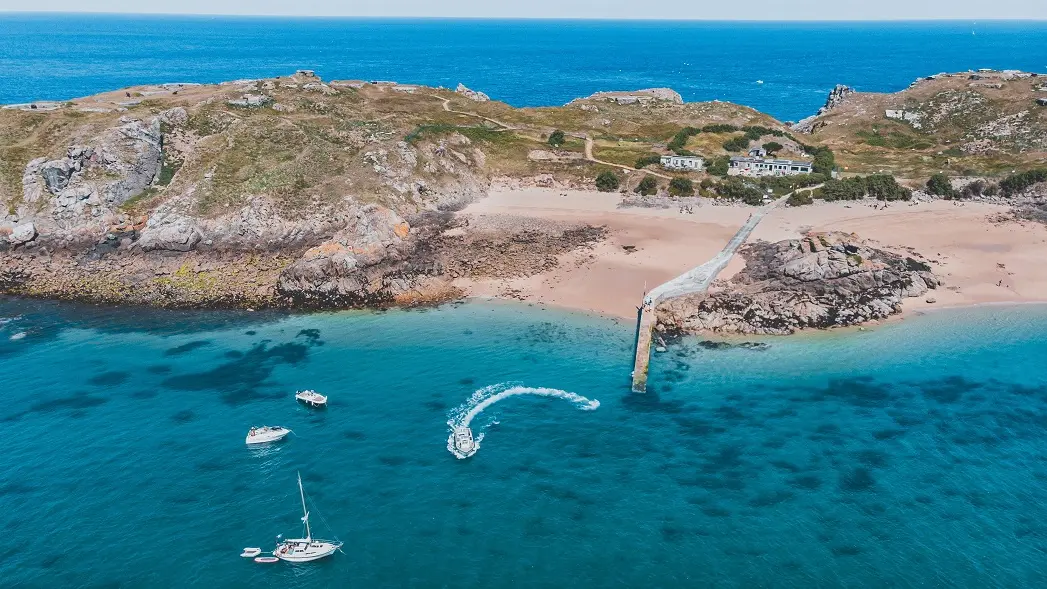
(305, 549)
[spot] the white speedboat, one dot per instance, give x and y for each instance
(311, 398)
(305, 549)
(266, 434)
(463, 440)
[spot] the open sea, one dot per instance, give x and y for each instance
(522, 62)
(911, 455)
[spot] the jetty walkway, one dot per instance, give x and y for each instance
(695, 280)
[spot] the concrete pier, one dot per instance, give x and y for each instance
(695, 280)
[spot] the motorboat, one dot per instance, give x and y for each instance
(463, 440)
(266, 434)
(305, 549)
(311, 398)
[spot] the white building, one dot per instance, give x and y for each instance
(683, 162)
(757, 166)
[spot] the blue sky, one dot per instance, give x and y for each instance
(679, 9)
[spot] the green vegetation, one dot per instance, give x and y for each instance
(607, 182)
(556, 138)
(681, 187)
(734, 188)
(824, 161)
(680, 140)
(647, 160)
(939, 185)
(800, 198)
(719, 166)
(647, 187)
(720, 128)
(740, 143)
(773, 147)
(879, 186)
(1016, 183)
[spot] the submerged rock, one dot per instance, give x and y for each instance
(822, 280)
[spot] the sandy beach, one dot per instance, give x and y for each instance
(980, 260)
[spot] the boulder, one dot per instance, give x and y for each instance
(472, 94)
(176, 233)
(21, 234)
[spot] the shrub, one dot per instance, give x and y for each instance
(647, 160)
(773, 147)
(719, 166)
(720, 128)
(976, 188)
(991, 190)
(939, 185)
(681, 187)
(879, 186)
(885, 187)
(735, 188)
(800, 198)
(647, 186)
(754, 132)
(680, 139)
(740, 143)
(557, 138)
(607, 182)
(1016, 183)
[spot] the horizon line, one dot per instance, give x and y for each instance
(521, 18)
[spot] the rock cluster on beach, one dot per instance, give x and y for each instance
(822, 280)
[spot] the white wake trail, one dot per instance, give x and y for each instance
(463, 416)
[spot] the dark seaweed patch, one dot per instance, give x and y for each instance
(392, 460)
(77, 402)
(435, 405)
(806, 482)
(871, 458)
(696, 426)
(252, 332)
(771, 498)
(312, 336)
(238, 379)
(714, 511)
(111, 378)
(950, 389)
(233, 354)
(888, 433)
(857, 480)
(351, 434)
(468, 381)
(158, 369)
(144, 394)
(672, 534)
(187, 347)
(785, 465)
(183, 416)
(845, 550)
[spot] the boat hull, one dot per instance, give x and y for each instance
(315, 551)
(267, 437)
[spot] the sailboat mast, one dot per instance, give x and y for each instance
(305, 512)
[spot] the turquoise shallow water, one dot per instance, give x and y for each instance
(912, 455)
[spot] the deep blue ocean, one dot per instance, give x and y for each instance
(522, 62)
(911, 455)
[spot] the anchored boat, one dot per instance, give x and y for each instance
(311, 398)
(266, 434)
(305, 549)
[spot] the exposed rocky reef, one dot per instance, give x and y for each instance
(822, 280)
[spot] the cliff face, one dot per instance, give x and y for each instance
(820, 281)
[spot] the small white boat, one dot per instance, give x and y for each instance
(251, 552)
(463, 440)
(311, 398)
(266, 559)
(305, 549)
(266, 434)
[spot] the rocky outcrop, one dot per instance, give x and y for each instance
(644, 97)
(836, 97)
(90, 181)
(21, 234)
(472, 94)
(822, 280)
(346, 269)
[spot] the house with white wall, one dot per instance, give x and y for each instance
(759, 166)
(683, 162)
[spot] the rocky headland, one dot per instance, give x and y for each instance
(822, 280)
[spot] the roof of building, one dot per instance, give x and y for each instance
(761, 160)
(682, 157)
